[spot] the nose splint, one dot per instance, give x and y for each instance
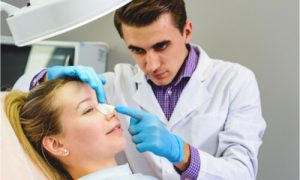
(105, 108)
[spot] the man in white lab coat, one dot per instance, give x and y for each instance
(191, 117)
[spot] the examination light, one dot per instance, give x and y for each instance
(42, 19)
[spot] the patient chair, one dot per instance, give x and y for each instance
(14, 163)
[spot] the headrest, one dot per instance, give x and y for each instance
(15, 163)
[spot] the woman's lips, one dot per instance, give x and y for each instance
(116, 127)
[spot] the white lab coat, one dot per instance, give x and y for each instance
(218, 112)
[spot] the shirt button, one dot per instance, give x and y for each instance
(169, 92)
(169, 171)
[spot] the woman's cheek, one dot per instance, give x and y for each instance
(93, 125)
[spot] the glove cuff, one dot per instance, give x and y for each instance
(180, 150)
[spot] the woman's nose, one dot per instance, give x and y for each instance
(111, 115)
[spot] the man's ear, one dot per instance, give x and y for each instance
(54, 146)
(187, 31)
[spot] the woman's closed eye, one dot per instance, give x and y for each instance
(88, 110)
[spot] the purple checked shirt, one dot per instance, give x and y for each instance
(168, 96)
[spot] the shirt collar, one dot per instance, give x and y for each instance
(190, 63)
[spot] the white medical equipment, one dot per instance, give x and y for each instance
(106, 109)
(15, 61)
(42, 19)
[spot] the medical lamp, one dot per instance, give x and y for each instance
(42, 19)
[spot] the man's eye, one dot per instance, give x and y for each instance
(137, 50)
(161, 47)
(88, 111)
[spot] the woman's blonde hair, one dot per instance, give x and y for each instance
(33, 116)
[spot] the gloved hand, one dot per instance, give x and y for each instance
(85, 74)
(149, 134)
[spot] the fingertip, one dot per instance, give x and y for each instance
(101, 96)
(102, 79)
(119, 108)
(133, 138)
(72, 72)
(140, 148)
(133, 121)
(102, 99)
(130, 131)
(83, 77)
(101, 93)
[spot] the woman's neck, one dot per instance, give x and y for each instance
(80, 169)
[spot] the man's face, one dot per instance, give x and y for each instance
(159, 48)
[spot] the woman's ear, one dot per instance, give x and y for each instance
(54, 146)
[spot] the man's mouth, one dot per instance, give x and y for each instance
(160, 75)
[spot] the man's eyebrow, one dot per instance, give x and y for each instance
(133, 47)
(82, 101)
(153, 46)
(161, 43)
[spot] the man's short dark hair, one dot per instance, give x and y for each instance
(140, 13)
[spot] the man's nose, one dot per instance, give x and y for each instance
(153, 61)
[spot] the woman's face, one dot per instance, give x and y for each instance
(88, 134)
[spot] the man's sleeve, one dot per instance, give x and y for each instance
(29, 80)
(191, 173)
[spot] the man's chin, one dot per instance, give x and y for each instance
(161, 82)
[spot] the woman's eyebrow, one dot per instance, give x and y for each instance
(82, 101)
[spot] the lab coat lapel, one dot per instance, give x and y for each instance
(145, 97)
(195, 93)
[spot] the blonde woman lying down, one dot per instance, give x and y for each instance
(64, 133)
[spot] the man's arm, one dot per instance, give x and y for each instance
(29, 80)
(190, 166)
(184, 164)
(84, 73)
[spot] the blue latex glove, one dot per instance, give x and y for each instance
(85, 74)
(149, 134)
